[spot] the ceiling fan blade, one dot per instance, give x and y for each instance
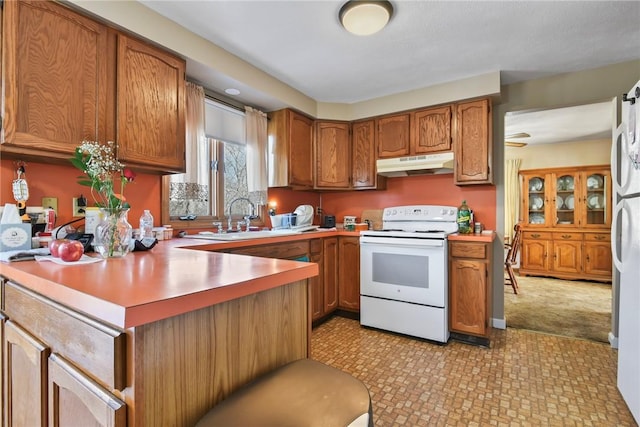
(518, 135)
(514, 144)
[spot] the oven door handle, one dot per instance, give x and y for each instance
(401, 242)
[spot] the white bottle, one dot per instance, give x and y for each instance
(146, 225)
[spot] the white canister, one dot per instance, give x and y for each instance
(349, 220)
(92, 218)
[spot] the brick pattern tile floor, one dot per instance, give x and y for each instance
(524, 379)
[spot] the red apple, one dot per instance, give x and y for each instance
(71, 250)
(54, 246)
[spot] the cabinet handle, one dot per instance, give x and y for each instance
(566, 236)
(587, 258)
(599, 237)
(535, 236)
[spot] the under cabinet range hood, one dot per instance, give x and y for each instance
(416, 165)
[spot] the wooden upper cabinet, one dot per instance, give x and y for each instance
(55, 79)
(363, 156)
(333, 155)
(472, 144)
(291, 140)
(150, 106)
(432, 130)
(394, 135)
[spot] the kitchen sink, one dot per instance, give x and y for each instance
(243, 235)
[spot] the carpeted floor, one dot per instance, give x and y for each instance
(561, 307)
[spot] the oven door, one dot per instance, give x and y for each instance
(404, 269)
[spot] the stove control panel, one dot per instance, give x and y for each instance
(420, 213)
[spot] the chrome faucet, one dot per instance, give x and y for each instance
(247, 218)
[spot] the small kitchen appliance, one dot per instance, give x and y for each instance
(328, 221)
(403, 271)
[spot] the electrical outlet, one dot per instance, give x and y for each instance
(79, 206)
(318, 210)
(50, 202)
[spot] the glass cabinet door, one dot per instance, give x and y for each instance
(597, 199)
(565, 199)
(536, 201)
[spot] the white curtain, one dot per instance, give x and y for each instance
(511, 197)
(257, 175)
(189, 192)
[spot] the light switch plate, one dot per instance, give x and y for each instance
(50, 202)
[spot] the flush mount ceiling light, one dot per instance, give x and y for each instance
(232, 91)
(363, 18)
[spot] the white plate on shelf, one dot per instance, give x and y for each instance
(568, 183)
(594, 182)
(536, 203)
(536, 184)
(595, 201)
(559, 203)
(568, 202)
(536, 219)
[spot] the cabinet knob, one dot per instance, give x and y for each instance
(535, 235)
(566, 236)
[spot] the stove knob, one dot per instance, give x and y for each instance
(452, 212)
(443, 212)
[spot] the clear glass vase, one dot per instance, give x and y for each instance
(113, 235)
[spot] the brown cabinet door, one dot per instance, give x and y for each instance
(75, 398)
(333, 155)
(349, 276)
(536, 199)
(394, 136)
(567, 256)
(597, 259)
(54, 81)
(363, 163)
(472, 145)
(25, 376)
(468, 296)
(432, 130)
(317, 283)
(330, 249)
(150, 106)
(535, 255)
(300, 151)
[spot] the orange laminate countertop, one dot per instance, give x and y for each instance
(486, 236)
(169, 280)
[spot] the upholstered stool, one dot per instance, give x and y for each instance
(304, 393)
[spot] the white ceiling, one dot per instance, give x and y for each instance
(301, 42)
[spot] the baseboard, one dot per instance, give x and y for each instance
(613, 340)
(499, 323)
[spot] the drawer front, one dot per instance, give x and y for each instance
(468, 250)
(567, 236)
(279, 250)
(597, 237)
(531, 235)
(97, 349)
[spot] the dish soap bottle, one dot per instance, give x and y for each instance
(146, 225)
(464, 218)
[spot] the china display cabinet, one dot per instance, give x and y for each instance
(566, 217)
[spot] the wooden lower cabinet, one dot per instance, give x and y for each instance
(330, 268)
(349, 273)
(470, 264)
(571, 255)
(42, 387)
(62, 368)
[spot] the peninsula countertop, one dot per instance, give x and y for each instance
(175, 277)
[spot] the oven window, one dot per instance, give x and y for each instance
(399, 269)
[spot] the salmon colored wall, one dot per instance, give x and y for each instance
(418, 190)
(59, 181)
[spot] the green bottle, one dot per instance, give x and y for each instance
(464, 218)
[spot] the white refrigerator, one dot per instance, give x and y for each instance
(625, 245)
